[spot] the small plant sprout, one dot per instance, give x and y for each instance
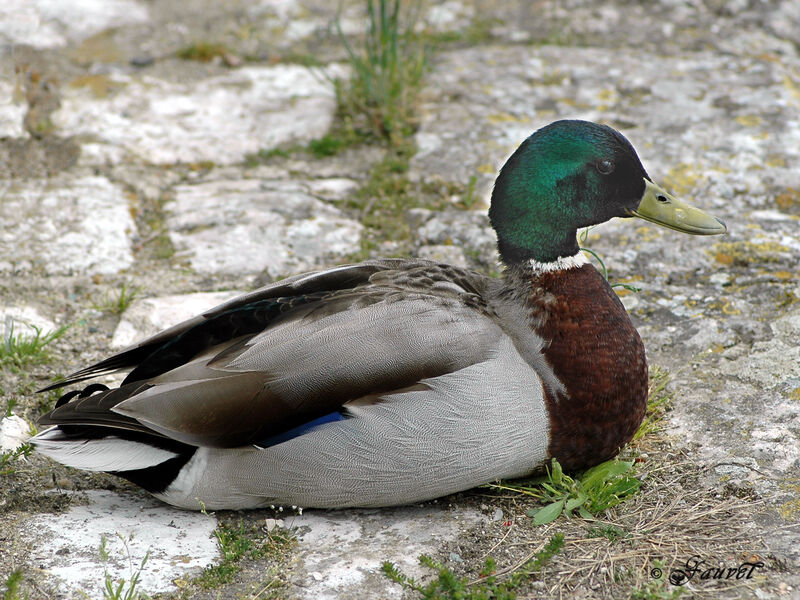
(583, 237)
(21, 348)
(11, 585)
(658, 588)
(14, 433)
(491, 584)
(122, 589)
(118, 302)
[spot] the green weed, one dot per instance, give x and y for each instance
(479, 31)
(263, 155)
(10, 406)
(9, 456)
(386, 73)
(19, 349)
(597, 490)
(117, 590)
(470, 197)
(329, 145)
(610, 532)
(119, 301)
(237, 543)
(447, 586)
(384, 198)
(202, 51)
(23, 450)
(584, 235)
(12, 586)
(657, 589)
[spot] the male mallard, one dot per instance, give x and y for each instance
(395, 381)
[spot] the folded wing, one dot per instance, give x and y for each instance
(291, 353)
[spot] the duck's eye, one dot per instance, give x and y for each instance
(605, 167)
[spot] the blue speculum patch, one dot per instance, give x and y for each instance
(301, 429)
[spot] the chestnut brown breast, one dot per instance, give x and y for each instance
(599, 357)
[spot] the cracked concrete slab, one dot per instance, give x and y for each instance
(341, 552)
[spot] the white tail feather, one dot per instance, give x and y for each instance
(104, 454)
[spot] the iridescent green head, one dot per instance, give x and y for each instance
(572, 174)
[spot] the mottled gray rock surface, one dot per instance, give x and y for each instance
(341, 552)
(219, 119)
(148, 316)
(121, 163)
(245, 226)
(67, 226)
(176, 544)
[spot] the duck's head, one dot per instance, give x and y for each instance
(572, 174)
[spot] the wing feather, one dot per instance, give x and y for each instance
(343, 277)
(293, 375)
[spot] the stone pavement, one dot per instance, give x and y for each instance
(121, 163)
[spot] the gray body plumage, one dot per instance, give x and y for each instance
(453, 433)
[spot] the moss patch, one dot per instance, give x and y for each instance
(100, 85)
(789, 200)
(681, 179)
(746, 253)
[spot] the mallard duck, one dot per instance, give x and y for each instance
(395, 381)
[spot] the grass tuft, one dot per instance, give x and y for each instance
(19, 349)
(382, 202)
(386, 74)
(9, 456)
(238, 543)
(118, 302)
(659, 401)
(447, 586)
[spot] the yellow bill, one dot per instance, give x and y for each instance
(660, 207)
